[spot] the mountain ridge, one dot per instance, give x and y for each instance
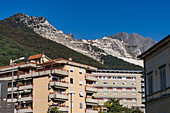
(93, 48)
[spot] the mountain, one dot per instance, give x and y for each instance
(134, 40)
(21, 35)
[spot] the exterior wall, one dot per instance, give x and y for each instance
(76, 88)
(153, 62)
(158, 106)
(106, 91)
(155, 103)
(44, 86)
(40, 94)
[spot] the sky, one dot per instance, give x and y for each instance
(93, 19)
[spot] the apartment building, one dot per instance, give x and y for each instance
(125, 85)
(157, 77)
(42, 83)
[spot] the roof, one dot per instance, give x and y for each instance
(155, 47)
(118, 71)
(35, 57)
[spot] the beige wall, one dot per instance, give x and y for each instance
(158, 101)
(76, 88)
(40, 94)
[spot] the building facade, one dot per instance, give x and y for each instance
(157, 77)
(41, 84)
(5, 107)
(125, 85)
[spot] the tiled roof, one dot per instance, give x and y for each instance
(35, 57)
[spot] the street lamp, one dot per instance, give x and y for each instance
(13, 61)
(71, 94)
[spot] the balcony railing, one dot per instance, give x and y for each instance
(88, 110)
(91, 101)
(58, 96)
(91, 89)
(60, 72)
(14, 99)
(90, 77)
(59, 84)
(10, 89)
(26, 86)
(25, 110)
(26, 98)
(61, 108)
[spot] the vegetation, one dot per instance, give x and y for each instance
(113, 106)
(115, 63)
(17, 40)
(53, 110)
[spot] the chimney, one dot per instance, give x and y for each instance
(70, 59)
(10, 62)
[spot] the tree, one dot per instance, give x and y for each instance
(113, 106)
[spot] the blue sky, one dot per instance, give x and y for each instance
(91, 19)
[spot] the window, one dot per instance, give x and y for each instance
(124, 104)
(124, 93)
(119, 77)
(80, 71)
(114, 93)
(150, 85)
(114, 82)
(133, 83)
(80, 105)
(134, 104)
(71, 80)
(80, 94)
(114, 77)
(163, 77)
(80, 83)
(105, 89)
(105, 93)
(104, 82)
(123, 83)
(133, 93)
(71, 68)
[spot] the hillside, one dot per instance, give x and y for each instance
(18, 40)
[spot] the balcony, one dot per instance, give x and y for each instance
(10, 89)
(25, 110)
(58, 96)
(91, 110)
(59, 72)
(90, 77)
(91, 89)
(61, 108)
(26, 86)
(9, 77)
(59, 84)
(91, 101)
(14, 99)
(26, 98)
(44, 72)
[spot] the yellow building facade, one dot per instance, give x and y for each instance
(157, 77)
(41, 84)
(125, 85)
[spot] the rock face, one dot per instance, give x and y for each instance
(120, 45)
(134, 39)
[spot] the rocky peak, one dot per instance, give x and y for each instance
(134, 39)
